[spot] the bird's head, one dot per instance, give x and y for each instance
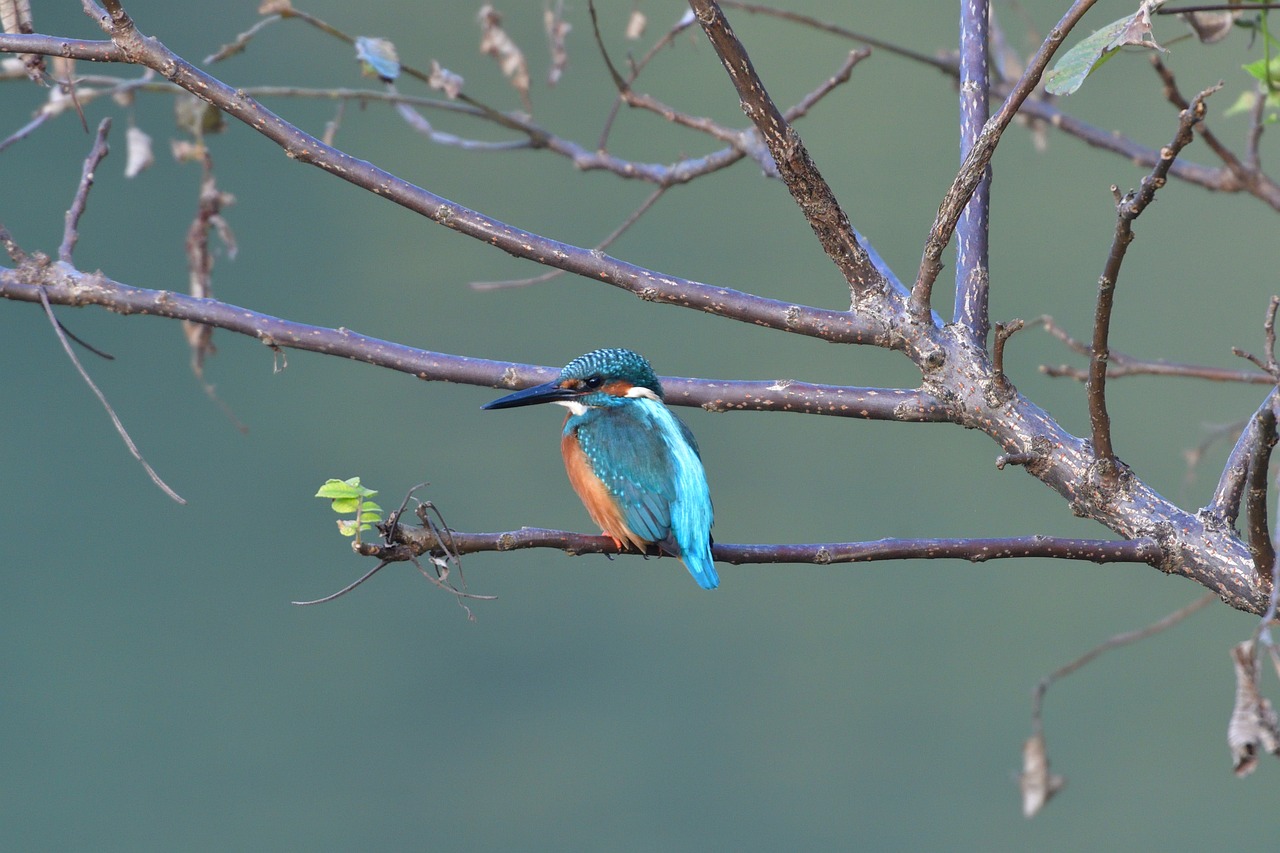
(599, 379)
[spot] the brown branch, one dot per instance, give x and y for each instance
(810, 190)
(979, 157)
(1260, 545)
(836, 326)
(640, 211)
(102, 398)
(1128, 208)
(64, 285)
(71, 228)
(1222, 179)
(1121, 364)
(944, 65)
(419, 541)
(1038, 786)
(1004, 331)
(1225, 503)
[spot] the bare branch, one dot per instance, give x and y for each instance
(60, 283)
(1264, 553)
(1225, 503)
(1253, 181)
(978, 550)
(810, 190)
(71, 230)
(1037, 695)
(640, 211)
(102, 398)
(979, 157)
(1128, 208)
(973, 273)
(836, 326)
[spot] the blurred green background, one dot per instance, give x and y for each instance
(158, 691)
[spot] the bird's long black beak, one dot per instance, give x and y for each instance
(546, 393)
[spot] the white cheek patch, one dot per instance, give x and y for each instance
(572, 405)
(641, 391)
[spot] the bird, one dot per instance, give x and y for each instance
(634, 465)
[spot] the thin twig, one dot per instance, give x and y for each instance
(1115, 642)
(944, 65)
(71, 229)
(637, 67)
(1004, 331)
(599, 247)
(1118, 641)
(115, 420)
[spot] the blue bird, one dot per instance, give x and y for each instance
(633, 463)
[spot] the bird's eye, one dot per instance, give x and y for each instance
(594, 381)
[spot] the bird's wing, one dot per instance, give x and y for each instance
(628, 454)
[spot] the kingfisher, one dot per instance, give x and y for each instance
(633, 463)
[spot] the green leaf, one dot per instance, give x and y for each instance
(1069, 72)
(344, 489)
(345, 505)
(1243, 104)
(1260, 71)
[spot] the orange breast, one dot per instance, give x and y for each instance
(593, 493)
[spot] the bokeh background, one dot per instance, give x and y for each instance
(158, 691)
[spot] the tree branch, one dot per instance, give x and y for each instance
(836, 326)
(1128, 208)
(979, 157)
(418, 541)
(62, 284)
(810, 190)
(973, 271)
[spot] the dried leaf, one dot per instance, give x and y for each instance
(1037, 784)
(444, 80)
(495, 42)
(636, 25)
(197, 117)
(185, 151)
(1254, 727)
(1071, 69)
(378, 58)
(16, 16)
(1211, 27)
(557, 29)
(140, 155)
